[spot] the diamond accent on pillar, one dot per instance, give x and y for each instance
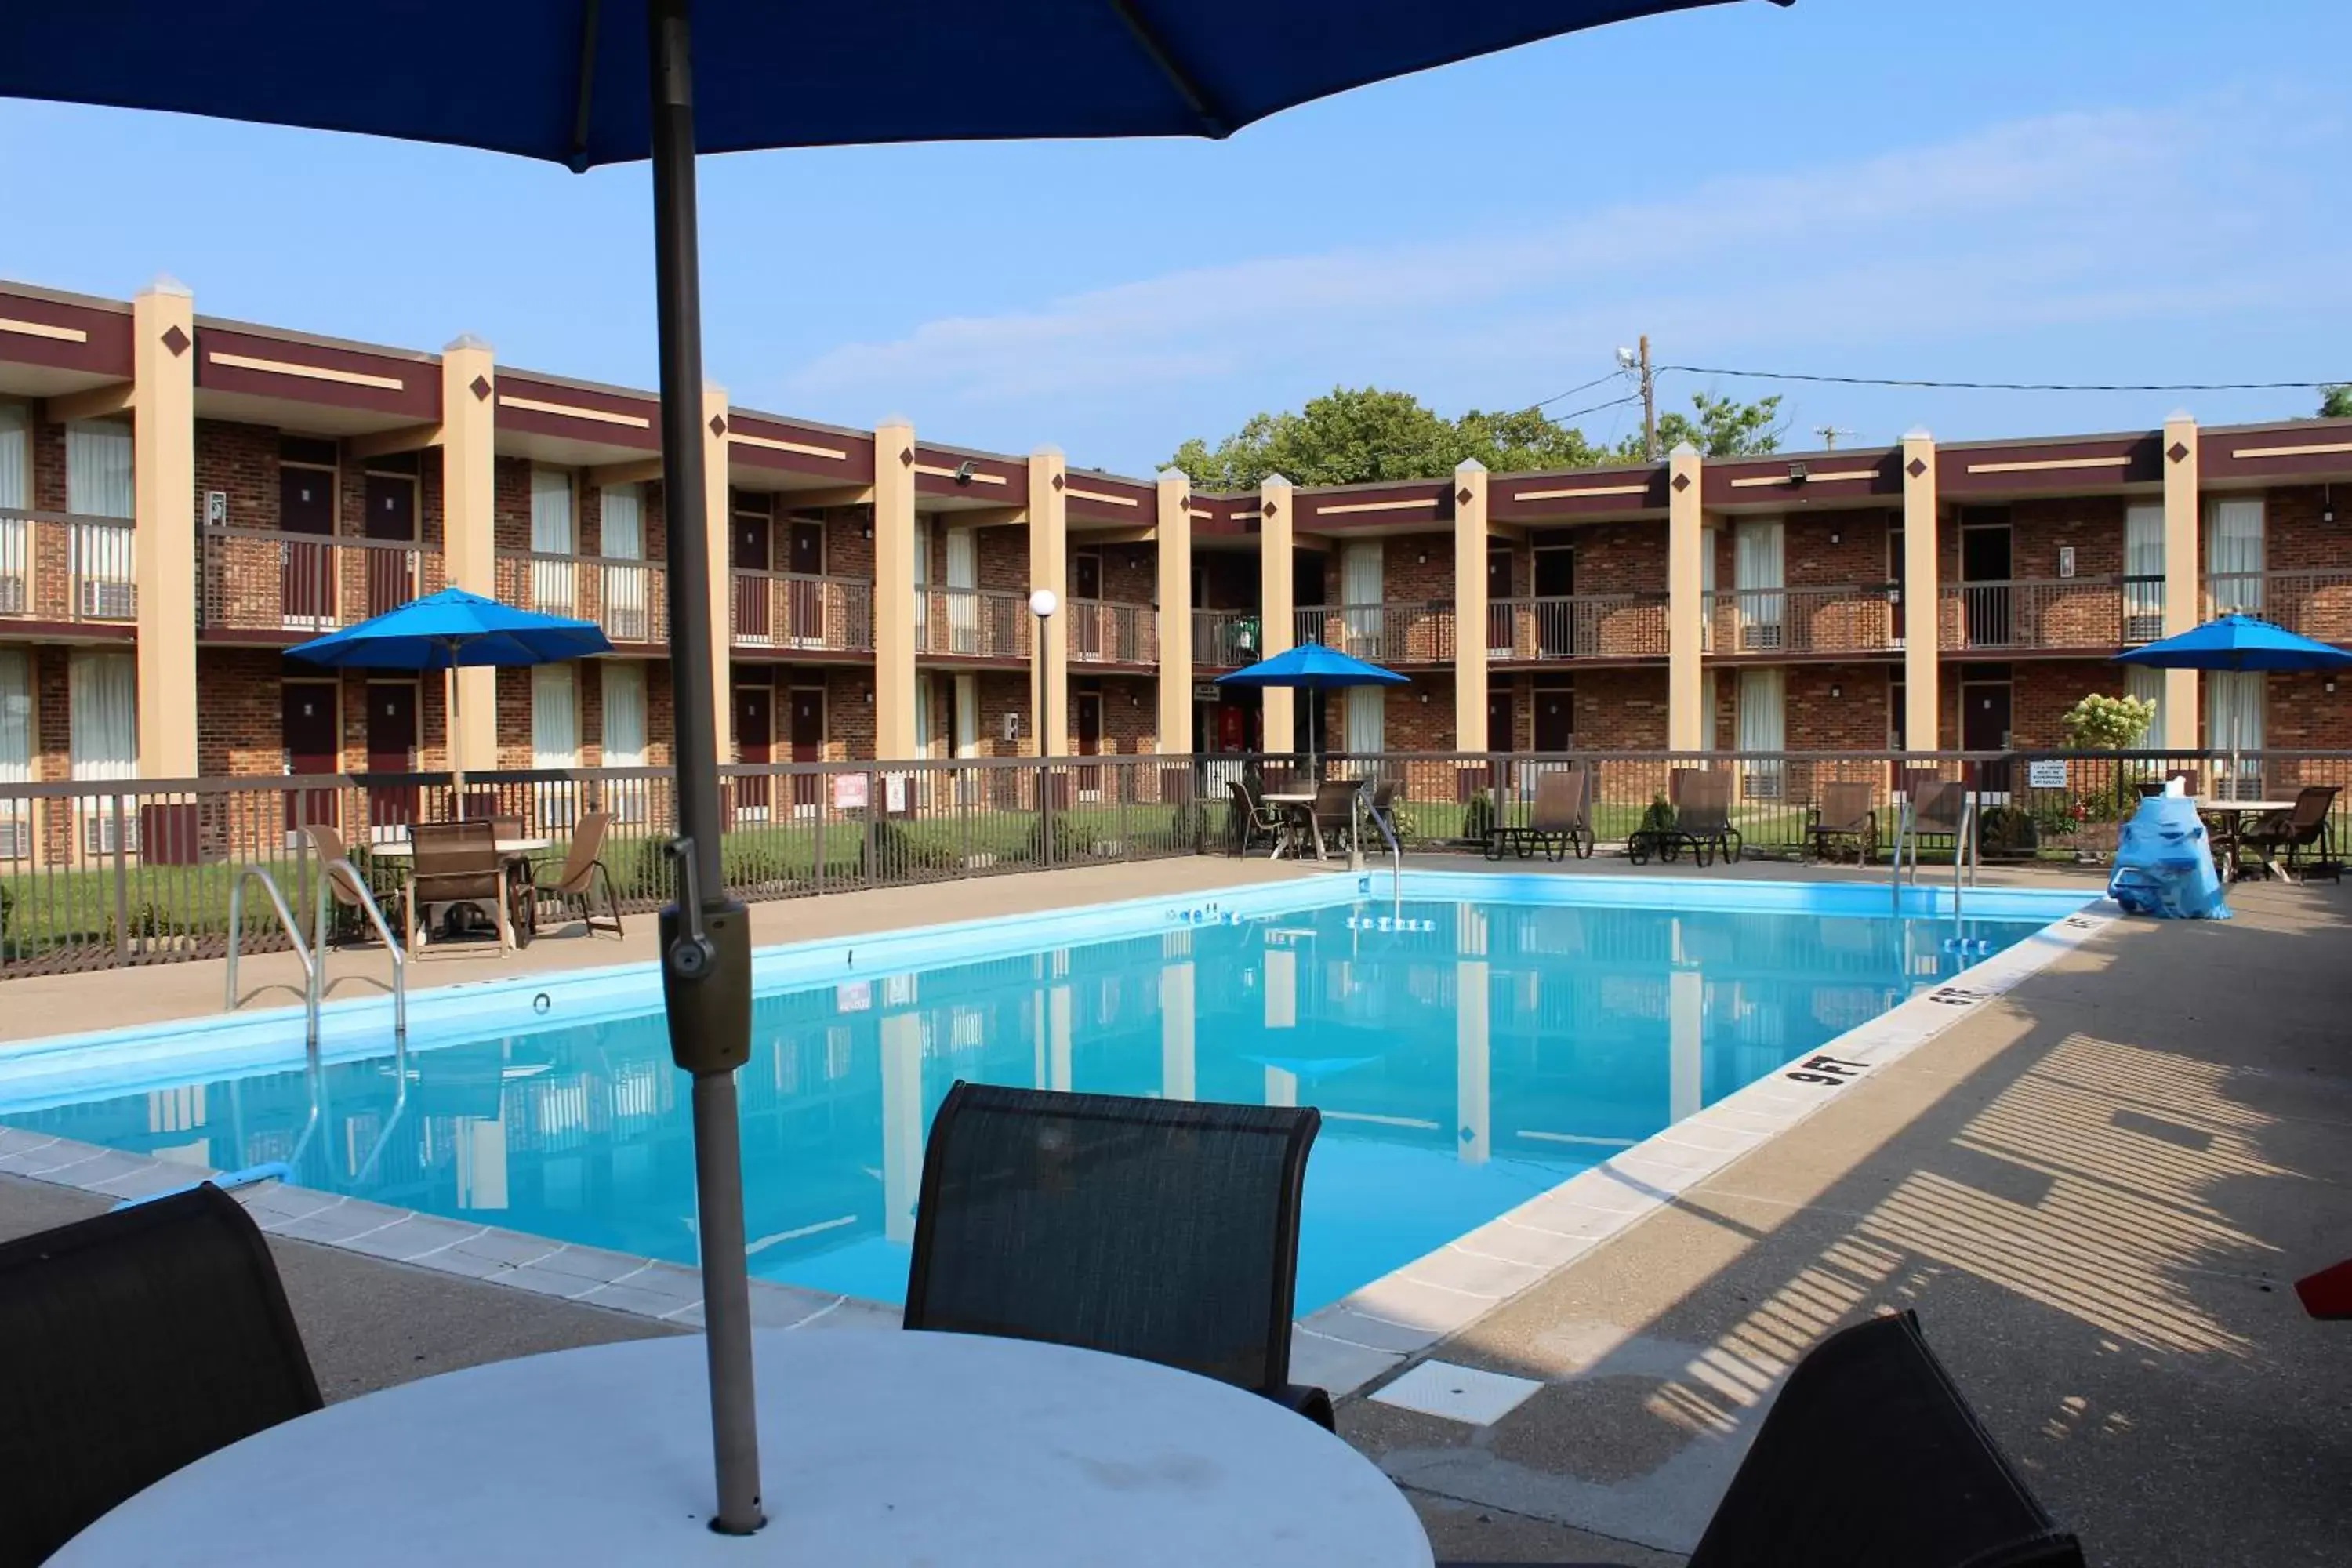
(719, 425)
(1057, 482)
(1682, 483)
(1916, 467)
(479, 387)
(907, 459)
(1268, 510)
(176, 340)
(2177, 451)
(1462, 495)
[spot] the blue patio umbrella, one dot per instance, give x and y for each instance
(584, 82)
(449, 630)
(2239, 643)
(1312, 668)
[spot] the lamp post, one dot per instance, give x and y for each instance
(1042, 604)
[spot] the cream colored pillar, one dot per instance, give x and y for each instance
(1470, 608)
(1474, 1129)
(1048, 555)
(2183, 568)
(894, 590)
(163, 539)
(1688, 718)
(469, 442)
(1177, 1040)
(902, 1123)
(1276, 532)
(718, 533)
(1174, 544)
(1923, 598)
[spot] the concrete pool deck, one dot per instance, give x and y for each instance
(2094, 1190)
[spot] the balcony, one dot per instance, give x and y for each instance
(2315, 604)
(1381, 634)
(1854, 618)
(260, 580)
(1577, 625)
(1101, 632)
(55, 566)
(627, 600)
(792, 610)
(971, 623)
(1226, 639)
(2052, 614)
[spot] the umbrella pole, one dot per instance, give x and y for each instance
(456, 739)
(705, 936)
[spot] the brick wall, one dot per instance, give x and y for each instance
(1832, 549)
(849, 713)
(49, 466)
(1621, 710)
(510, 504)
(241, 461)
(1003, 557)
(1617, 558)
(2302, 714)
(1130, 714)
(1001, 691)
(240, 724)
(1129, 571)
(849, 542)
(1835, 707)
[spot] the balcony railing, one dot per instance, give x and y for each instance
(1851, 619)
(57, 566)
(2316, 603)
(1101, 632)
(628, 600)
(1577, 625)
(2057, 613)
(788, 609)
(259, 580)
(971, 623)
(1382, 634)
(1226, 639)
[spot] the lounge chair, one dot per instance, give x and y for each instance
(456, 864)
(131, 1344)
(1920, 1482)
(1254, 819)
(1162, 1229)
(1702, 821)
(2293, 832)
(582, 881)
(1847, 818)
(1560, 820)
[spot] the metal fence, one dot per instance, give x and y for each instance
(96, 874)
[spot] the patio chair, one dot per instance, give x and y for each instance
(1254, 819)
(1846, 817)
(1560, 820)
(1162, 1229)
(131, 1344)
(343, 913)
(1331, 819)
(1921, 1482)
(1938, 806)
(582, 881)
(2294, 831)
(457, 865)
(1382, 808)
(1702, 821)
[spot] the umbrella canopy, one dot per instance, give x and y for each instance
(1311, 667)
(2238, 643)
(589, 82)
(453, 628)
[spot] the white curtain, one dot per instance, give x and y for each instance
(98, 470)
(2234, 701)
(2233, 555)
(16, 491)
(967, 721)
(924, 697)
(622, 534)
(2147, 685)
(1756, 564)
(16, 749)
(625, 712)
(2143, 572)
(102, 691)
(1362, 589)
(1368, 717)
(555, 717)
(964, 606)
(551, 534)
(1763, 727)
(623, 524)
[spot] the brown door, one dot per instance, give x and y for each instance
(807, 738)
(392, 749)
(391, 518)
(1985, 707)
(1555, 614)
(1085, 616)
(1500, 627)
(1895, 577)
(1090, 736)
(1502, 719)
(755, 735)
(305, 505)
(752, 610)
(1555, 719)
(807, 564)
(310, 730)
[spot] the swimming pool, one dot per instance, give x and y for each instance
(1471, 1045)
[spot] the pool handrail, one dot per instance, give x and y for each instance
(293, 934)
(366, 902)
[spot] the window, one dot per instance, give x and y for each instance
(627, 589)
(623, 509)
(2147, 685)
(103, 730)
(555, 717)
(2234, 703)
(1762, 728)
(98, 470)
(1756, 566)
(625, 713)
(924, 697)
(16, 750)
(550, 535)
(1367, 719)
(1898, 712)
(2233, 556)
(1362, 591)
(2142, 574)
(16, 491)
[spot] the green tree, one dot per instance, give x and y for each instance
(1725, 428)
(2336, 401)
(2103, 724)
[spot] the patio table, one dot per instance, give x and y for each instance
(2236, 811)
(509, 849)
(875, 1446)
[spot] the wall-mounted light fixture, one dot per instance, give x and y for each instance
(964, 471)
(2331, 688)
(1424, 699)
(1421, 558)
(1836, 692)
(870, 695)
(1835, 537)
(1798, 473)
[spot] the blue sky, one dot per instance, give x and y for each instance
(2061, 189)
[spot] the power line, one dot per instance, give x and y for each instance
(1564, 418)
(1572, 391)
(2009, 386)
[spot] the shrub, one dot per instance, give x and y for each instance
(1195, 826)
(2103, 724)
(1657, 816)
(1072, 841)
(1478, 816)
(899, 849)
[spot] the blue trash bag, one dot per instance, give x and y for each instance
(2164, 864)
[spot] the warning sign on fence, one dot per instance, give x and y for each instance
(849, 792)
(2045, 775)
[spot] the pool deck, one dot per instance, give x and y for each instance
(2096, 1190)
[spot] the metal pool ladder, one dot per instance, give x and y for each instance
(313, 954)
(1965, 855)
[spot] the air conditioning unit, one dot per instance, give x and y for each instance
(15, 839)
(1760, 634)
(97, 831)
(11, 594)
(105, 601)
(2143, 628)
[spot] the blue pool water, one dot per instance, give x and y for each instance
(1465, 1056)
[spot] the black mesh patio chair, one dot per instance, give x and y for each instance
(1165, 1230)
(1702, 821)
(1920, 1482)
(134, 1343)
(1253, 820)
(2290, 833)
(1938, 806)
(1330, 820)
(1846, 818)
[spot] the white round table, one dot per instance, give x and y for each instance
(875, 1448)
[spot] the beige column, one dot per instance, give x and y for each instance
(469, 442)
(1048, 555)
(902, 1123)
(1923, 598)
(1276, 521)
(163, 539)
(894, 590)
(1174, 544)
(1473, 1128)
(1177, 1040)
(1470, 608)
(2184, 565)
(719, 539)
(1687, 710)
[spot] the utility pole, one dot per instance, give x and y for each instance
(1649, 405)
(1829, 434)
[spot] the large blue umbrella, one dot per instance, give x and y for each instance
(448, 630)
(559, 80)
(2239, 643)
(1312, 668)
